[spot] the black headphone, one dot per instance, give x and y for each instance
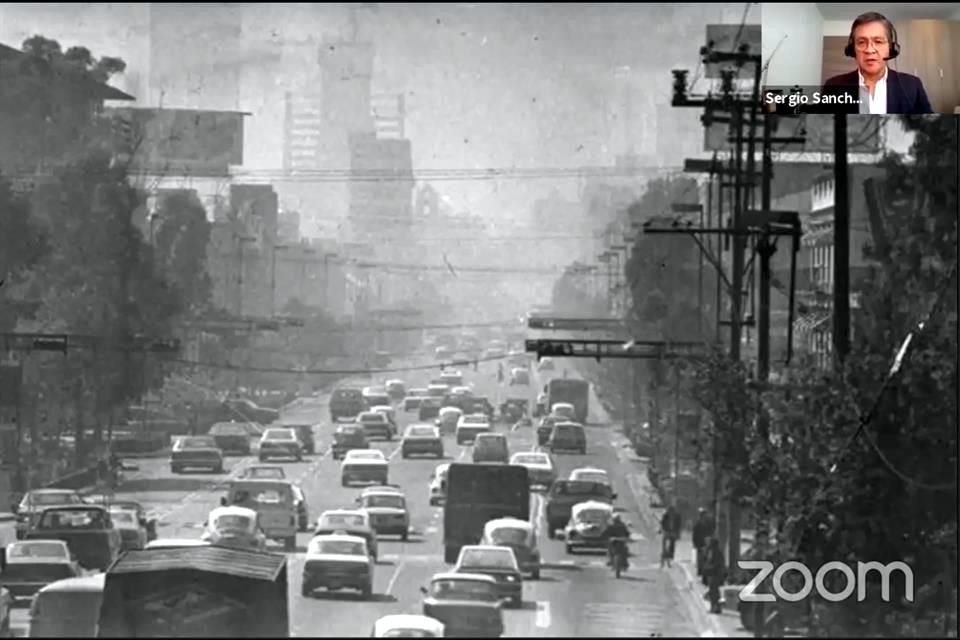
(865, 18)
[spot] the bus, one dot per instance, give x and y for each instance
(476, 494)
(576, 392)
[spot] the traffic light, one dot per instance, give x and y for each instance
(540, 323)
(51, 343)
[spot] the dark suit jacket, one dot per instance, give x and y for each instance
(905, 94)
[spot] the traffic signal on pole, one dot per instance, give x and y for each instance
(50, 343)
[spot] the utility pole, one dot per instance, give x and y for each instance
(841, 241)
(742, 225)
(765, 248)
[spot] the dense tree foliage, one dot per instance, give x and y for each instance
(181, 239)
(662, 272)
(74, 244)
(49, 100)
(859, 467)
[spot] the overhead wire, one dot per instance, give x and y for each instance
(864, 418)
(342, 372)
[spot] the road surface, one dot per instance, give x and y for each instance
(576, 595)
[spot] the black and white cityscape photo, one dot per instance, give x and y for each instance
(478, 320)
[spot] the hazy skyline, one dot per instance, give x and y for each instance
(488, 85)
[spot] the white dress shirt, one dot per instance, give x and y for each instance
(875, 104)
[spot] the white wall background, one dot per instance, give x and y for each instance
(836, 27)
(792, 43)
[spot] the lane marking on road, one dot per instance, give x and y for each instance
(393, 454)
(542, 619)
(396, 575)
(431, 529)
(463, 453)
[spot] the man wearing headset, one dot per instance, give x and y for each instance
(879, 89)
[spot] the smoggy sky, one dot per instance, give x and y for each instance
(487, 85)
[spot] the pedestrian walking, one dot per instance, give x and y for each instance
(715, 571)
(670, 525)
(702, 530)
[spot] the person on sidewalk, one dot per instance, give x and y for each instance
(715, 570)
(670, 525)
(702, 530)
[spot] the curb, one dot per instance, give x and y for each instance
(685, 584)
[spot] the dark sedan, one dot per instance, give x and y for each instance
(232, 438)
(196, 452)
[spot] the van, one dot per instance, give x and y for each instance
(68, 608)
(491, 447)
(567, 436)
(274, 502)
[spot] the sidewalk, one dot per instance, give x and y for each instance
(683, 571)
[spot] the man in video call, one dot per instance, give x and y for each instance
(880, 89)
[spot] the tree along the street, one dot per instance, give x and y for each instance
(181, 238)
(100, 278)
(886, 492)
(49, 98)
(663, 278)
(97, 277)
(23, 243)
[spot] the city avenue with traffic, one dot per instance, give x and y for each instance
(575, 595)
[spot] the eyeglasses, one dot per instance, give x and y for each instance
(864, 44)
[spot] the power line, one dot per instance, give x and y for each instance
(453, 269)
(339, 372)
(435, 175)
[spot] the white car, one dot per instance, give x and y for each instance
(353, 522)
(564, 410)
(540, 468)
(388, 511)
(176, 543)
(591, 474)
(469, 426)
(391, 414)
(449, 418)
(236, 527)
(337, 561)
(438, 484)
(364, 465)
(405, 625)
